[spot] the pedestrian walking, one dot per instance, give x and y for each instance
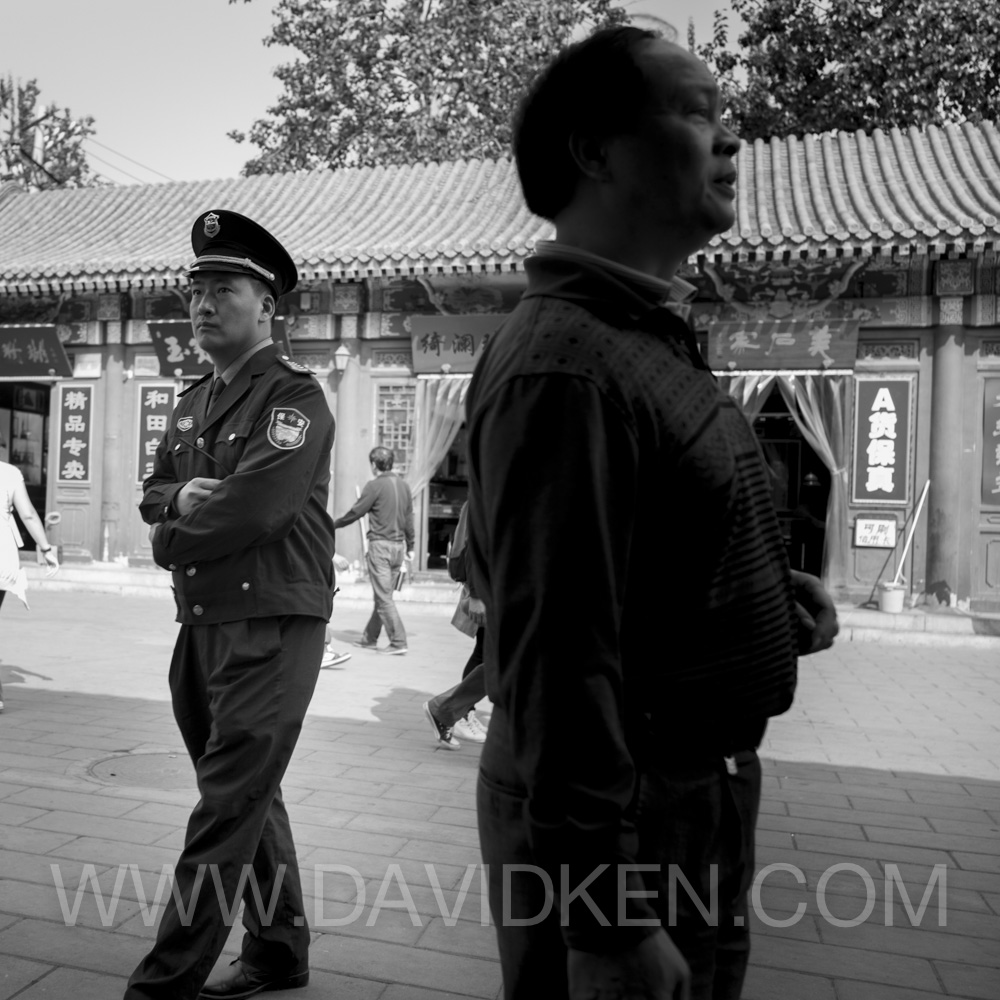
(14, 496)
(387, 501)
(334, 658)
(642, 618)
(237, 503)
(452, 714)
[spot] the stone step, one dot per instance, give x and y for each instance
(150, 581)
(857, 623)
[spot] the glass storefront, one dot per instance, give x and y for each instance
(24, 438)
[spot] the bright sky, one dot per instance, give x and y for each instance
(165, 80)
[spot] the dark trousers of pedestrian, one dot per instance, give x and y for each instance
(457, 702)
(385, 560)
(476, 656)
(240, 691)
(692, 817)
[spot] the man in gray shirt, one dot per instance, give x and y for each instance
(387, 501)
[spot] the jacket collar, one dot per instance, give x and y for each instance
(611, 297)
(256, 365)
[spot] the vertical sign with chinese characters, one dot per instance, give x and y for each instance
(156, 403)
(991, 442)
(882, 439)
(75, 416)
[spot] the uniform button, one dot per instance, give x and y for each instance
(200, 442)
(246, 586)
(191, 570)
(173, 566)
(232, 437)
(284, 357)
(177, 447)
(198, 609)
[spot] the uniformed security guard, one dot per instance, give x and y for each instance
(237, 500)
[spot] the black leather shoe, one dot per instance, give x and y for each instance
(241, 980)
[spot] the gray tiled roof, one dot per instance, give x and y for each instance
(916, 190)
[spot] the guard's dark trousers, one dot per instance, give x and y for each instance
(240, 691)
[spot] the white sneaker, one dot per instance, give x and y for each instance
(331, 658)
(470, 728)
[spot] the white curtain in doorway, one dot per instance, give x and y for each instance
(817, 404)
(750, 391)
(439, 412)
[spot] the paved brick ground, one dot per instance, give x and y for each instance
(889, 758)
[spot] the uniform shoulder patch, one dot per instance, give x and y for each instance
(293, 366)
(287, 428)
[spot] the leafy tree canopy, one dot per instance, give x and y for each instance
(41, 148)
(400, 81)
(817, 65)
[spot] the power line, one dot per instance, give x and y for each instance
(152, 170)
(138, 180)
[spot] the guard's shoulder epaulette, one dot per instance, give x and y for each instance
(293, 366)
(194, 385)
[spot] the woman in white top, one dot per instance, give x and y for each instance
(13, 496)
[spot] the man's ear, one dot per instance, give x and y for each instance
(267, 307)
(590, 153)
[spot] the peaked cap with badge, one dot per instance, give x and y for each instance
(227, 241)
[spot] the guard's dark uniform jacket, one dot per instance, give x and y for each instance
(262, 545)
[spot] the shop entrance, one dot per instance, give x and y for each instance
(24, 440)
(800, 484)
(447, 491)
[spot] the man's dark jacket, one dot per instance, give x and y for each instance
(262, 545)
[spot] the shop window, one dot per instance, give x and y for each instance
(394, 420)
(24, 439)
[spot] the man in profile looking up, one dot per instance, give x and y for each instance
(628, 701)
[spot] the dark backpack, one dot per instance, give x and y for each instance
(456, 555)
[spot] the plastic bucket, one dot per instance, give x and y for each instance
(890, 597)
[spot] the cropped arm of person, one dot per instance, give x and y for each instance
(559, 509)
(815, 612)
(362, 505)
(33, 525)
(408, 532)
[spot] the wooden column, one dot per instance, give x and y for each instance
(944, 501)
(114, 491)
(345, 452)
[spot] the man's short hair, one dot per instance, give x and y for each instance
(595, 86)
(262, 288)
(381, 458)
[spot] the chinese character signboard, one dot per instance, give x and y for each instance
(991, 442)
(874, 533)
(179, 354)
(782, 343)
(450, 344)
(32, 351)
(156, 403)
(882, 430)
(75, 416)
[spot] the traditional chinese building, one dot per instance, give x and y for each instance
(852, 309)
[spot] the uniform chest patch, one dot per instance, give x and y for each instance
(287, 428)
(185, 423)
